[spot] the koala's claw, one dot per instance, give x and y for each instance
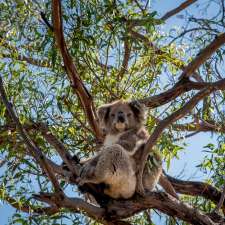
(140, 190)
(79, 181)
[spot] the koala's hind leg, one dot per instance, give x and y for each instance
(152, 171)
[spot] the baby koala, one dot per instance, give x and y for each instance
(116, 164)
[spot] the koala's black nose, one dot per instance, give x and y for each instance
(121, 117)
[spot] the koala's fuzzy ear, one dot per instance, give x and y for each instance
(103, 112)
(138, 109)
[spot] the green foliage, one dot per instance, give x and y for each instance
(37, 85)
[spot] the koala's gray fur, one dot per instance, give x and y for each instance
(116, 164)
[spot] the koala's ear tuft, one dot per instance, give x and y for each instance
(103, 113)
(138, 110)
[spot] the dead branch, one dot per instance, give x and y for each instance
(76, 83)
(181, 7)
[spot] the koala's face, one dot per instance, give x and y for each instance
(120, 116)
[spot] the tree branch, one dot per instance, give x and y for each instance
(221, 202)
(179, 88)
(24, 207)
(161, 201)
(34, 62)
(181, 7)
(73, 204)
(126, 57)
(219, 85)
(60, 148)
(33, 149)
(176, 62)
(196, 188)
(203, 55)
(76, 82)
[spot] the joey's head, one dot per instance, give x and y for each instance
(120, 116)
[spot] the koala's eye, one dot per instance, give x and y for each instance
(112, 115)
(128, 114)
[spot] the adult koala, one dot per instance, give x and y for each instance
(116, 164)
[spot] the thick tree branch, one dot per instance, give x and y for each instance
(181, 7)
(161, 201)
(184, 84)
(73, 204)
(125, 208)
(179, 88)
(76, 82)
(33, 149)
(196, 188)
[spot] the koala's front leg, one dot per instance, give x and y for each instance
(139, 187)
(87, 172)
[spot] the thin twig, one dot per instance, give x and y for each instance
(181, 7)
(203, 55)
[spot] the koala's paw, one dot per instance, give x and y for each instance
(140, 190)
(86, 171)
(80, 181)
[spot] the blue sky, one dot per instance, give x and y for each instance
(193, 153)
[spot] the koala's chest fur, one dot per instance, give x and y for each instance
(111, 139)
